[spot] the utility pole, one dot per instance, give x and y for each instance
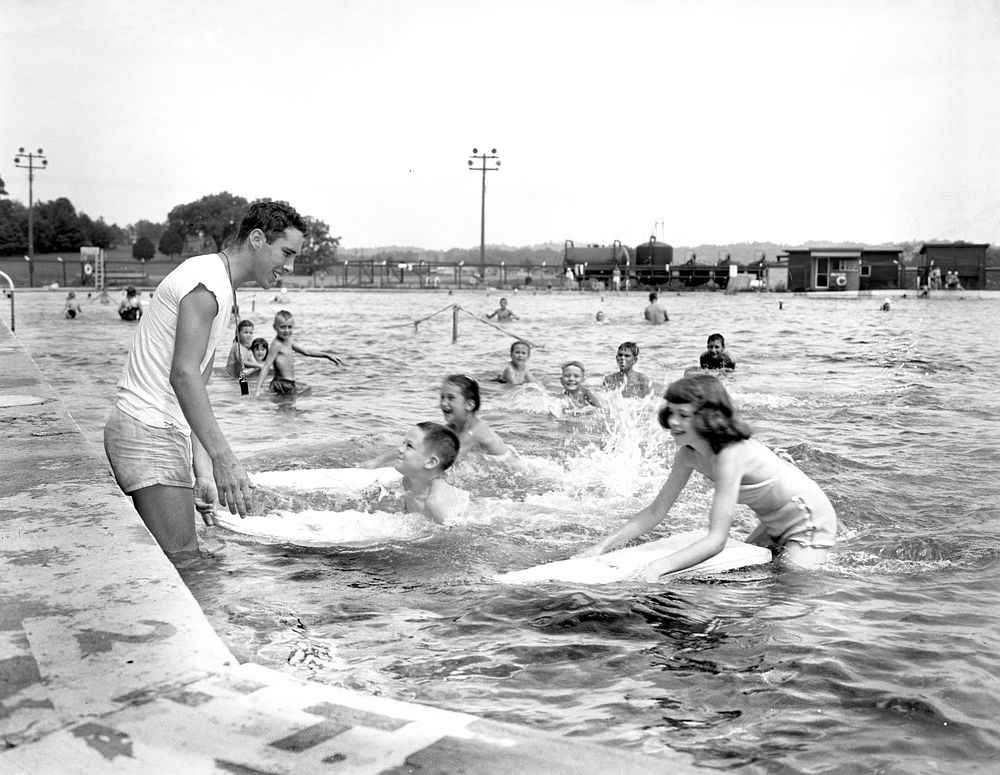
(485, 160)
(31, 162)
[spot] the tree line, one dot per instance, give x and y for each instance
(57, 228)
(205, 225)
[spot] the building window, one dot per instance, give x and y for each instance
(822, 272)
(866, 270)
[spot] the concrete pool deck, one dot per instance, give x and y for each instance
(108, 665)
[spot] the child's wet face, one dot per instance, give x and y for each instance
(571, 378)
(626, 360)
(411, 455)
(715, 348)
(454, 406)
(284, 328)
(519, 353)
(246, 336)
(259, 352)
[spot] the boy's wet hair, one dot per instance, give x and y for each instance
(467, 386)
(282, 315)
(653, 296)
(574, 363)
(442, 441)
(630, 347)
(258, 342)
(715, 417)
(520, 341)
(272, 218)
(244, 324)
(716, 338)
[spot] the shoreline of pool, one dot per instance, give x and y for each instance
(109, 665)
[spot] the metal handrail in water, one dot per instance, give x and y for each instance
(11, 293)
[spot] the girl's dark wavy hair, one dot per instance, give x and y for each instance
(715, 417)
(468, 387)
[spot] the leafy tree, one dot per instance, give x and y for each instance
(320, 249)
(13, 228)
(58, 228)
(171, 243)
(96, 233)
(216, 215)
(143, 228)
(143, 249)
(45, 235)
(116, 235)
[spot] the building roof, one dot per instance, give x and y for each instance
(835, 252)
(924, 246)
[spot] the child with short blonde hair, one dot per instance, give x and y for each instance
(574, 389)
(281, 356)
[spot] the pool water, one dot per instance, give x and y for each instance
(886, 661)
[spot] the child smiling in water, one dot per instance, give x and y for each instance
(460, 406)
(574, 391)
(796, 517)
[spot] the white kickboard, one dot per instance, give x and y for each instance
(328, 528)
(622, 564)
(331, 479)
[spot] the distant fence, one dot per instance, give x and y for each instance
(47, 270)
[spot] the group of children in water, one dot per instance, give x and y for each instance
(796, 519)
(250, 357)
(627, 381)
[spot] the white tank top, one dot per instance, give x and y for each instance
(144, 390)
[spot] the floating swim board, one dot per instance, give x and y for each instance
(318, 529)
(342, 480)
(622, 564)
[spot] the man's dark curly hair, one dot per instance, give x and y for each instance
(272, 218)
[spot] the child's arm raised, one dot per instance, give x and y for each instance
(316, 354)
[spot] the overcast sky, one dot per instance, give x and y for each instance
(704, 121)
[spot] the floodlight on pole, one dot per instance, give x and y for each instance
(31, 162)
(485, 161)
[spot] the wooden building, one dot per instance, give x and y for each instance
(844, 268)
(966, 258)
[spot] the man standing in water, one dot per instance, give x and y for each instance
(162, 425)
(654, 313)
